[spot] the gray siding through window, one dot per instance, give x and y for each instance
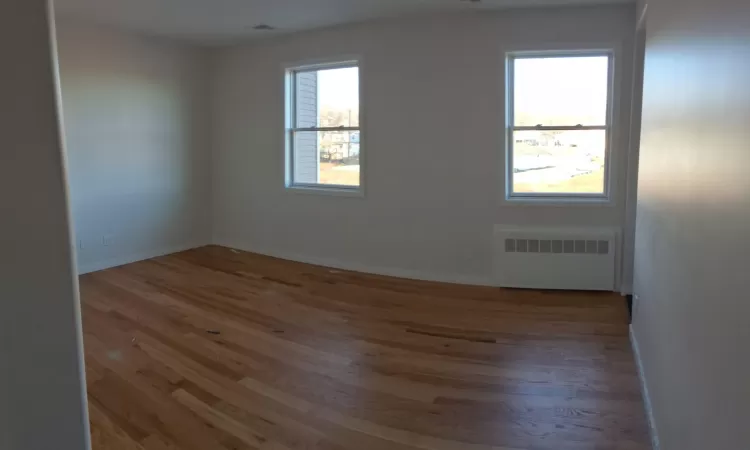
(306, 157)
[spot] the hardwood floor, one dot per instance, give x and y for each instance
(212, 349)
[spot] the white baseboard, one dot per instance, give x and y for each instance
(95, 266)
(644, 390)
(365, 268)
(626, 289)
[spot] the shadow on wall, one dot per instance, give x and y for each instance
(132, 113)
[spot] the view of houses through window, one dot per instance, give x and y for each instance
(558, 135)
(326, 133)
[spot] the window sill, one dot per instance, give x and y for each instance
(558, 201)
(330, 191)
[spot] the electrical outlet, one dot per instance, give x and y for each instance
(108, 239)
(81, 244)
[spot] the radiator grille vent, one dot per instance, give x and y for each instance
(557, 246)
(577, 258)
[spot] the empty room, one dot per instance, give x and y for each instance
(374, 224)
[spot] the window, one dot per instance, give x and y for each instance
(558, 126)
(323, 130)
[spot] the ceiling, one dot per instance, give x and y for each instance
(212, 21)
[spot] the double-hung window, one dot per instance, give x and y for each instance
(323, 142)
(559, 125)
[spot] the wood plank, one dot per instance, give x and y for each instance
(215, 349)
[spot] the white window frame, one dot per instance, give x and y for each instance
(555, 197)
(290, 113)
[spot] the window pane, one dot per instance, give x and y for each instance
(560, 91)
(328, 98)
(559, 161)
(326, 157)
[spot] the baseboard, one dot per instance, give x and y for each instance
(644, 390)
(364, 268)
(626, 289)
(95, 266)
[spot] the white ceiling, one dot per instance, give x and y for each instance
(210, 21)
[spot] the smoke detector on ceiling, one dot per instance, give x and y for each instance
(263, 27)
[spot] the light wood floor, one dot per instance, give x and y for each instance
(211, 349)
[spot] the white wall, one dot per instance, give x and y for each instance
(631, 200)
(692, 246)
(41, 373)
(136, 127)
(433, 133)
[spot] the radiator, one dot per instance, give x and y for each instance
(555, 258)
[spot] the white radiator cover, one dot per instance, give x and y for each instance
(555, 258)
